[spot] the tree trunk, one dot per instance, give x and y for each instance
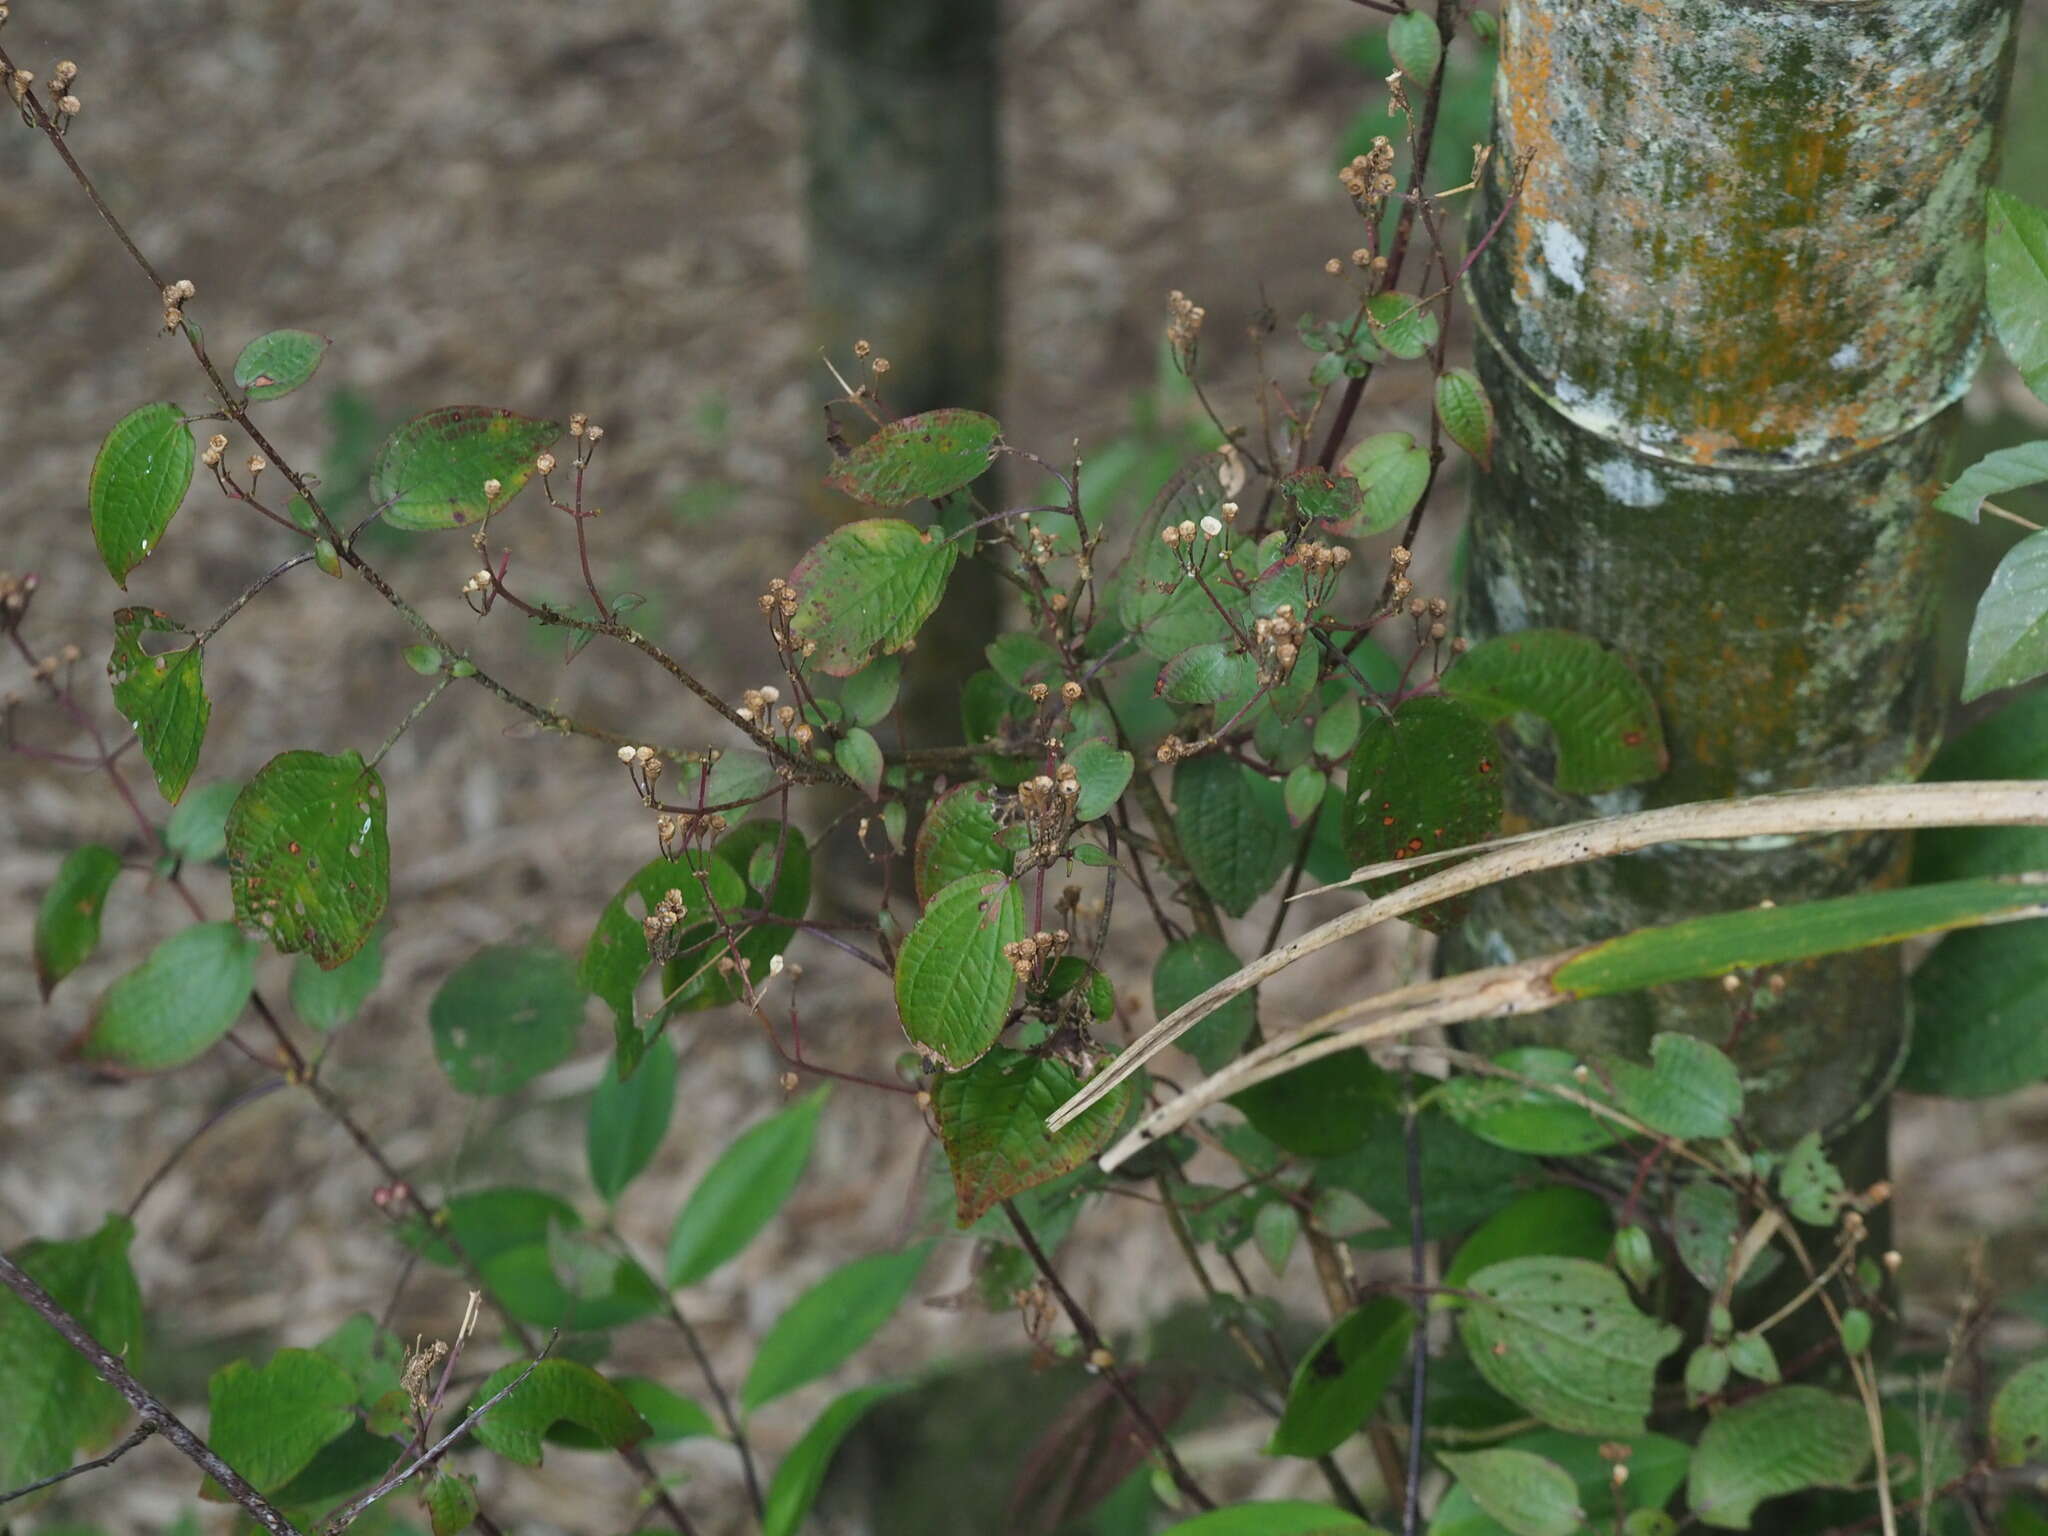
(902, 203)
(1722, 328)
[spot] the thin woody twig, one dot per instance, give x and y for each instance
(140, 1433)
(142, 1400)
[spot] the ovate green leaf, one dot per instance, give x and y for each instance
(1526, 1118)
(326, 1000)
(175, 1005)
(992, 1125)
(2009, 637)
(161, 695)
(1467, 414)
(919, 458)
(953, 982)
(1605, 721)
(557, 1390)
(957, 837)
(1187, 968)
(864, 590)
(629, 1119)
(508, 1013)
(269, 1424)
(139, 480)
(1980, 1014)
(1232, 824)
(1792, 1438)
(1417, 47)
(1529, 1495)
(1342, 1377)
(1426, 779)
(430, 474)
(451, 1502)
(2019, 1416)
(1556, 1220)
(1105, 772)
(2016, 283)
(1691, 1090)
(309, 858)
(198, 829)
(2007, 469)
(68, 921)
(278, 362)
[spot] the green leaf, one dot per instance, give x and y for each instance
(1765, 936)
(1232, 823)
(1324, 1108)
(371, 1355)
(802, 1472)
(1302, 793)
(557, 1390)
(953, 982)
(669, 1415)
(751, 848)
(1981, 1006)
(1562, 1338)
(629, 1119)
(1426, 779)
(198, 829)
(175, 1005)
(276, 363)
(859, 757)
(1793, 1438)
(1556, 1221)
(1529, 1495)
(1281, 1517)
(269, 1424)
(56, 1403)
(1466, 413)
(1606, 724)
(2016, 283)
(1706, 1373)
(2011, 744)
(825, 1326)
(1321, 497)
(1690, 1091)
(2007, 469)
(451, 1502)
(616, 955)
(992, 1125)
(326, 1000)
(2009, 637)
(1337, 728)
(1810, 1183)
(865, 590)
(1751, 1355)
(1342, 1377)
(68, 921)
(919, 458)
(1417, 47)
(1656, 1468)
(309, 858)
(1105, 773)
(1464, 1180)
(1393, 484)
(489, 1223)
(2019, 1416)
(1187, 968)
(430, 473)
(139, 480)
(870, 693)
(426, 660)
(1203, 674)
(1400, 322)
(742, 1190)
(1527, 1119)
(956, 838)
(1156, 600)
(508, 1013)
(162, 696)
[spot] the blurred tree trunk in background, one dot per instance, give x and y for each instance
(1722, 327)
(903, 201)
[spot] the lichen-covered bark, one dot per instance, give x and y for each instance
(902, 202)
(1720, 327)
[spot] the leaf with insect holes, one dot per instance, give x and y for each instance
(161, 696)
(556, 1391)
(865, 589)
(2007, 469)
(992, 1125)
(309, 858)
(56, 1403)
(1342, 1377)
(278, 362)
(1232, 824)
(1466, 412)
(1605, 721)
(1426, 779)
(2016, 283)
(1562, 1338)
(1793, 1438)
(430, 473)
(919, 458)
(139, 480)
(68, 921)
(507, 1014)
(957, 837)
(953, 981)
(269, 1424)
(1322, 497)
(2009, 638)
(175, 1005)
